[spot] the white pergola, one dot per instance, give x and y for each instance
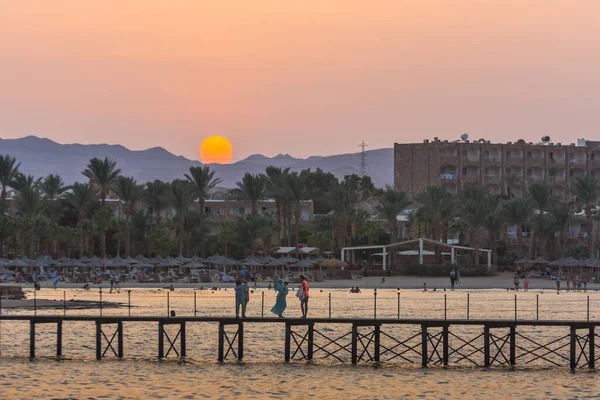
(421, 241)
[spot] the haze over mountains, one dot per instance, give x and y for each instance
(41, 156)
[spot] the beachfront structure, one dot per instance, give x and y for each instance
(349, 253)
(457, 164)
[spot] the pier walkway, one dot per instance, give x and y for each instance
(424, 342)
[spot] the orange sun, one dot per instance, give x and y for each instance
(216, 149)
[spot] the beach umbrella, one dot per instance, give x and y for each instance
(16, 263)
(195, 264)
(130, 261)
(252, 263)
(107, 263)
(182, 259)
(169, 263)
(63, 259)
(539, 261)
(84, 259)
(6, 271)
(524, 261)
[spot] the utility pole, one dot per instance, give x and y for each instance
(363, 158)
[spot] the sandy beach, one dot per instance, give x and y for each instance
(500, 281)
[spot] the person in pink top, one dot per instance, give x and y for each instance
(526, 284)
(304, 296)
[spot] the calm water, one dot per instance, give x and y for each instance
(265, 375)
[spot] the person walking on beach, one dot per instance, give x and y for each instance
(240, 299)
(280, 303)
(457, 277)
(304, 296)
(526, 284)
(558, 284)
(55, 282)
(452, 276)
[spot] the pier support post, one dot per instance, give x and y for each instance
(31, 339)
(118, 334)
(221, 349)
(224, 338)
(445, 344)
(377, 343)
(98, 340)
(424, 355)
(161, 340)
(486, 346)
(240, 341)
(59, 338)
(592, 347)
(513, 346)
(162, 334)
(573, 354)
(288, 333)
(354, 354)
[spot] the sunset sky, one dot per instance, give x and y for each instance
(312, 77)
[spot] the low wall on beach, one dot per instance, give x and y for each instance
(11, 291)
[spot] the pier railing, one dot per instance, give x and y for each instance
(371, 303)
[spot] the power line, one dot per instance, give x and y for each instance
(363, 158)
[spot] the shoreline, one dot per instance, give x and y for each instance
(501, 281)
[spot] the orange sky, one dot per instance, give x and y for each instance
(310, 77)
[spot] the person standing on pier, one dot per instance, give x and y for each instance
(304, 296)
(280, 303)
(240, 299)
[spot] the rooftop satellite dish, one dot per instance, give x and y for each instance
(464, 136)
(545, 138)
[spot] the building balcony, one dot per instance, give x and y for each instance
(492, 178)
(449, 160)
(516, 161)
(577, 162)
(595, 163)
(449, 177)
(470, 179)
(475, 161)
(492, 160)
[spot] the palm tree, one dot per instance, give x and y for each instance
(9, 168)
(30, 205)
(157, 196)
(562, 216)
(516, 212)
(343, 203)
(129, 193)
(204, 180)
(183, 195)
(53, 188)
(586, 195)
(225, 233)
(22, 181)
(295, 192)
(276, 176)
(391, 204)
(83, 197)
(252, 188)
(511, 181)
(436, 204)
(473, 209)
(102, 218)
(102, 174)
(493, 224)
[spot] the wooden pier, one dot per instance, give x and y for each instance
(365, 340)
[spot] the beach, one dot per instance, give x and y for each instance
(501, 281)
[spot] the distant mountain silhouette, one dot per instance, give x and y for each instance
(41, 156)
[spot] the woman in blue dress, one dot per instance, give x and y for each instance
(280, 303)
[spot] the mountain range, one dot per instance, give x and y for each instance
(42, 156)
